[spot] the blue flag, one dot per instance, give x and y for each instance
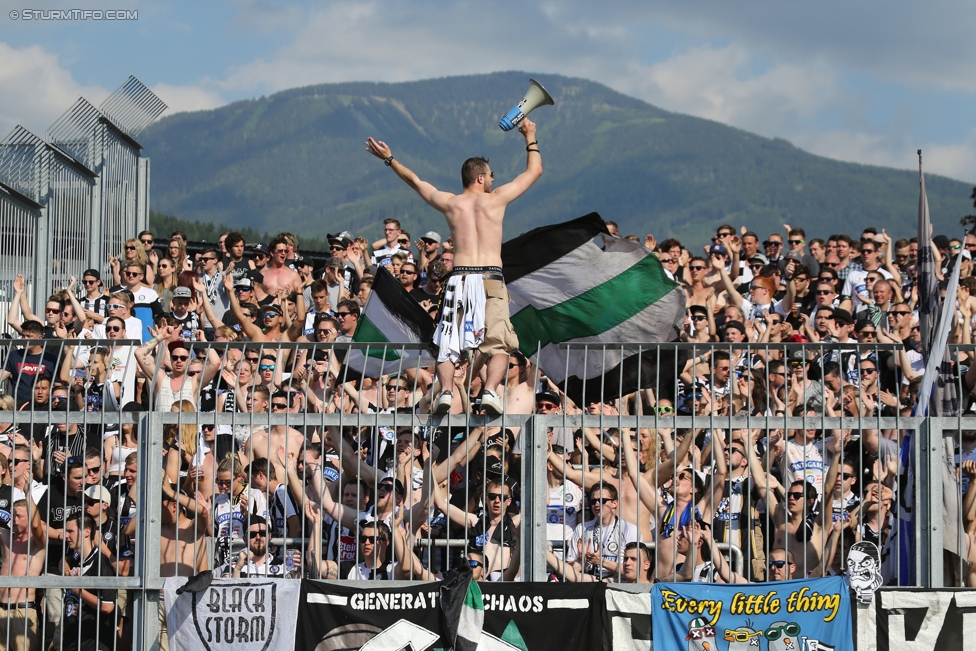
(807, 615)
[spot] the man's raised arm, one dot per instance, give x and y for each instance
(437, 199)
(533, 166)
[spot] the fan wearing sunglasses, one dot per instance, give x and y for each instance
(94, 301)
(272, 325)
(698, 291)
(282, 440)
(175, 383)
(701, 321)
(119, 305)
(596, 544)
(374, 540)
(796, 238)
(257, 560)
(761, 292)
(797, 525)
(782, 566)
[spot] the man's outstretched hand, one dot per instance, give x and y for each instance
(377, 148)
(527, 129)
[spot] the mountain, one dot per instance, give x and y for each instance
(296, 161)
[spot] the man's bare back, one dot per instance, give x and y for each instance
(282, 443)
(475, 216)
(475, 220)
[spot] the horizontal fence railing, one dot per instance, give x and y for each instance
(723, 468)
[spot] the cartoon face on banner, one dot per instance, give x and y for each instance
(864, 570)
(743, 638)
(701, 636)
(783, 636)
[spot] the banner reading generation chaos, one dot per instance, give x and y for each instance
(811, 615)
(518, 617)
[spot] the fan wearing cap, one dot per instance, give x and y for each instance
(172, 381)
(98, 504)
(754, 265)
(700, 324)
(188, 321)
(839, 327)
(428, 248)
(272, 315)
(259, 260)
(353, 265)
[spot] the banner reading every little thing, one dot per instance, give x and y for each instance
(808, 615)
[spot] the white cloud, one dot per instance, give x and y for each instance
(956, 160)
(713, 83)
(187, 98)
(37, 89)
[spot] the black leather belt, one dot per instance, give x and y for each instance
(489, 273)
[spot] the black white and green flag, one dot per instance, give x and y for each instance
(390, 319)
(568, 285)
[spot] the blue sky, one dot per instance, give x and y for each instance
(868, 81)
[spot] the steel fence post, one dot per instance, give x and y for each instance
(95, 243)
(150, 496)
(930, 503)
(142, 196)
(534, 501)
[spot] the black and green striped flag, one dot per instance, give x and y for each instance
(390, 318)
(569, 285)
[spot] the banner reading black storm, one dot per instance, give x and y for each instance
(232, 615)
(523, 617)
(925, 619)
(811, 615)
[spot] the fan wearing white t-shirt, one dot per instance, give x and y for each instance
(855, 285)
(374, 541)
(761, 291)
(596, 545)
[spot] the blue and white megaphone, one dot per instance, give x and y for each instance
(535, 97)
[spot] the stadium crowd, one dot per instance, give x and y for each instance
(371, 502)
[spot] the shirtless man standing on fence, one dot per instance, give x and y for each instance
(476, 290)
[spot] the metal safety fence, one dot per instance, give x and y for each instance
(70, 200)
(720, 463)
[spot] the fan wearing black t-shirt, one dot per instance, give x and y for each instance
(87, 620)
(60, 501)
